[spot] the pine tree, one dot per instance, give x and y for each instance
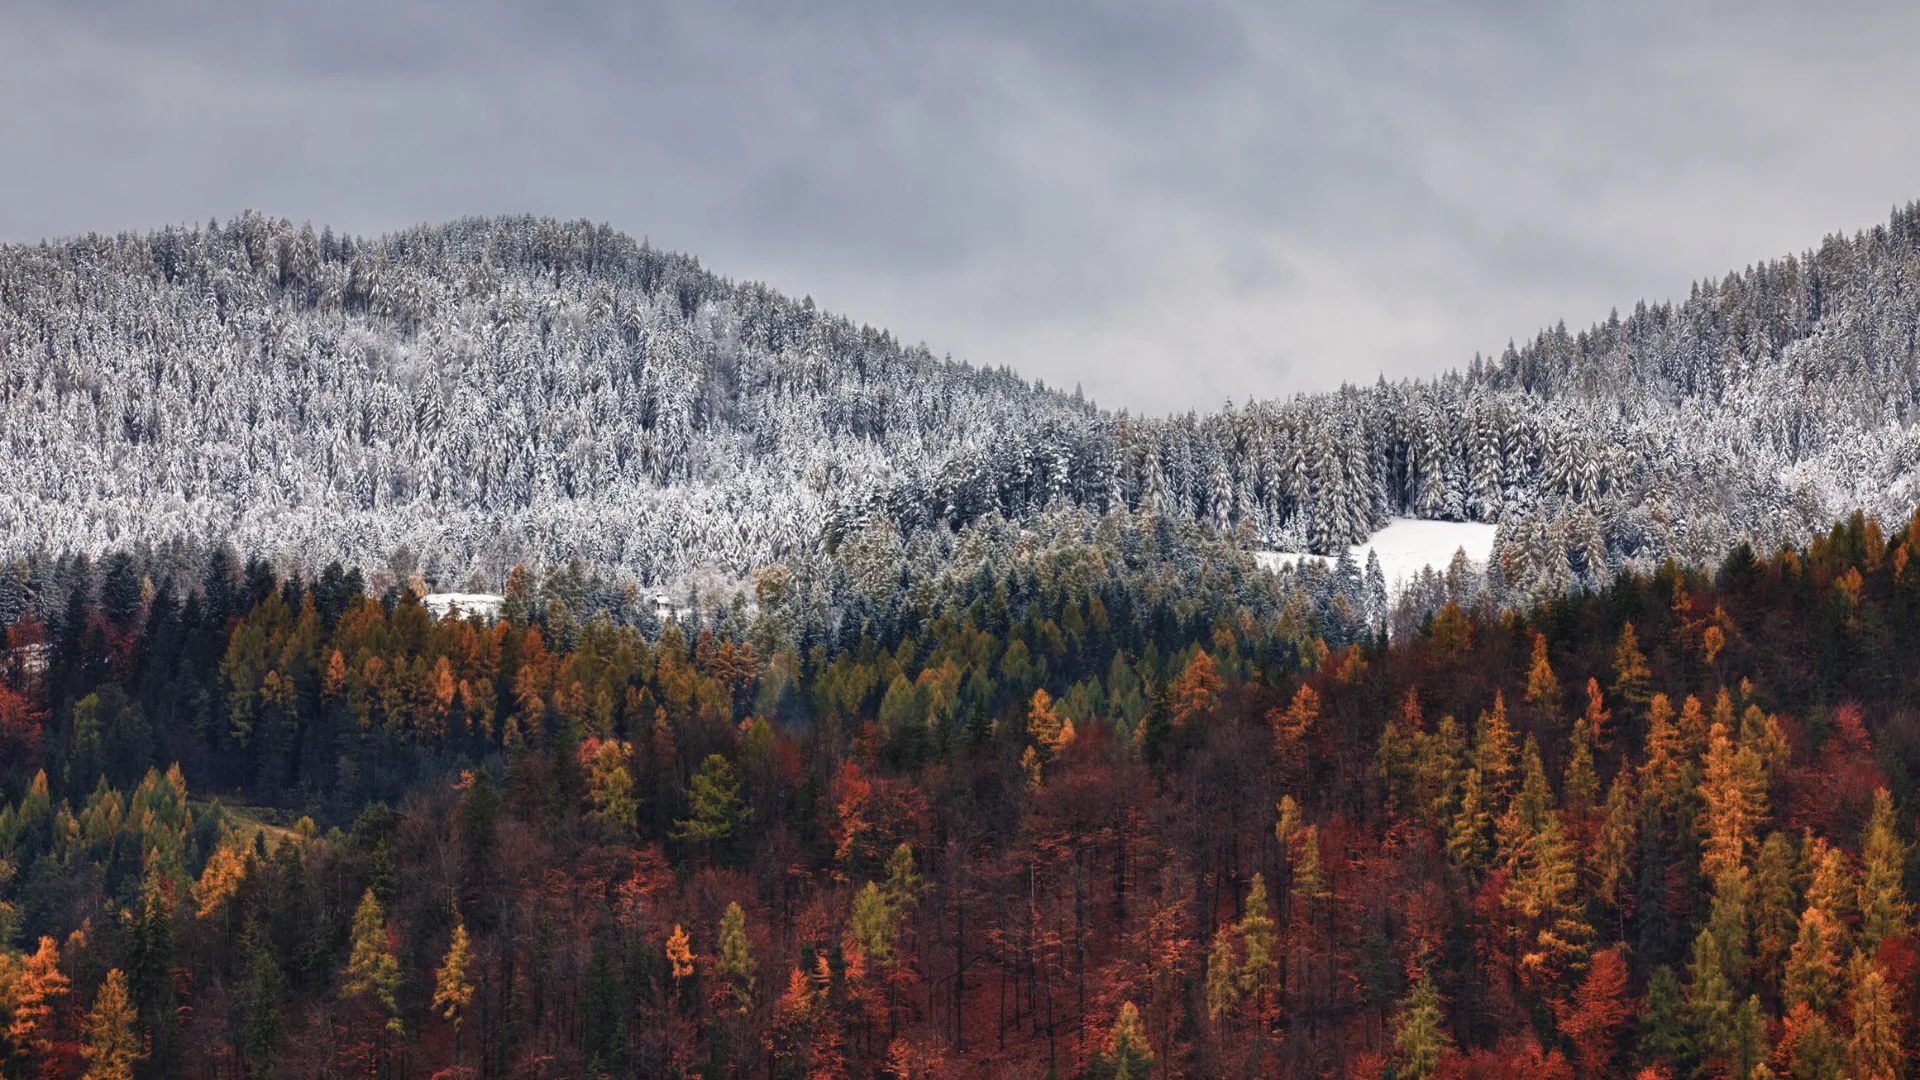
(1493, 753)
(1396, 757)
(452, 986)
(109, 1044)
(1543, 688)
(373, 972)
(1221, 989)
(1544, 888)
(1309, 880)
(1710, 1004)
(1597, 719)
(1582, 782)
(872, 925)
(735, 966)
(1813, 964)
(1632, 679)
(39, 985)
(1468, 844)
(1775, 924)
(1884, 908)
(1256, 941)
(1874, 1052)
(1127, 1055)
(1617, 847)
(1733, 789)
(1420, 1031)
(713, 797)
(1831, 885)
(261, 993)
(1808, 1049)
(1195, 693)
(679, 953)
(1665, 1038)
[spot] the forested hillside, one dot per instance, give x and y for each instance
(1099, 801)
(457, 400)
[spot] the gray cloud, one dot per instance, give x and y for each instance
(1169, 204)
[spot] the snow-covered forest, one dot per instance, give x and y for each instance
(454, 400)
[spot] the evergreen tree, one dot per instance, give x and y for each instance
(1665, 1032)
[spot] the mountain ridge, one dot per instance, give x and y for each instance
(491, 391)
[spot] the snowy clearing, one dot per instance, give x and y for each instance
(485, 605)
(1405, 546)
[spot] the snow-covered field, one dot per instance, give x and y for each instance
(485, 605)
(1405, 546)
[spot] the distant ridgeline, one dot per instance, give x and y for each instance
(454, 400)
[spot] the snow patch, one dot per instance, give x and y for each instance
(1405, 547)
(485, 605)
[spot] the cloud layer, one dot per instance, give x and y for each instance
(1169, 204)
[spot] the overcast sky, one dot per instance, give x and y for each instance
(1167, 203)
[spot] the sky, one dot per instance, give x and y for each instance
(1167, 204)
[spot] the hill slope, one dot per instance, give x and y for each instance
(459, 398)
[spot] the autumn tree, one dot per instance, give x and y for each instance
(1733, 789)
(1813, 964)
(1884, 908)
(1632, 679)
(1127, 1054)
(452, 984)
(716, 810)
(1420, 1035)
(1543, 687)
(1874, 1052)
(37, 988)
(1597, 1015)
(734, 966)
(1196, 692)
(109, 1044)
(372, 974)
